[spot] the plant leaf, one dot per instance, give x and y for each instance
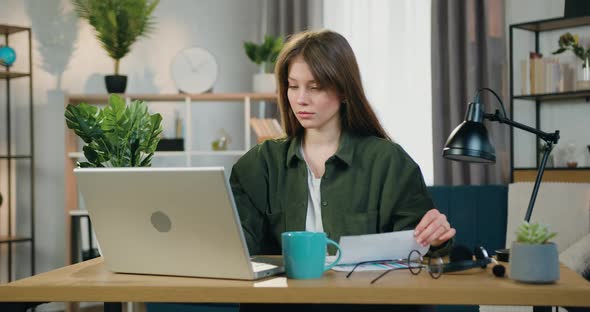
(146, 162)
(153, 135)
(85, 165)
(533, 233)
(90, 154)
(85, 120)
(550, 236)
(251, 52)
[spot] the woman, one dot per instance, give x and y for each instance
(337, 171)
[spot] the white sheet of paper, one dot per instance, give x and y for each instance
(371, 247)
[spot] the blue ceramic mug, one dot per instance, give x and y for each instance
(304, 254)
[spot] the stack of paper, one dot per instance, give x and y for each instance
(375, 247)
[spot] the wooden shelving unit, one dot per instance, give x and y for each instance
(581, 175)
(553, 24)
(216, 97)
(546, 97)
(11, 75)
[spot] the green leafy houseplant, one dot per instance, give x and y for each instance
(266, 53)
(533, 233)
(118, 23)
(116, 136)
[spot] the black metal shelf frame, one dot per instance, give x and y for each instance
(15, 239)
(537, 27)
(7, 76)
(558, 96)
(554, 168)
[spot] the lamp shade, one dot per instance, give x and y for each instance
(470, 142)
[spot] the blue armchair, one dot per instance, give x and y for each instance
(478, 213)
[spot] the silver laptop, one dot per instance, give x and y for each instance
(169, 221)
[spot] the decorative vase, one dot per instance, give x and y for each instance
(534, 263)
(583, 83)
(115, 83)
(7, 55)
(264, 83)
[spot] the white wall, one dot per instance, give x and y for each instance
(570, 117)
(68, 58)
(391, 40)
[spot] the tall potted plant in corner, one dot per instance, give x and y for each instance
(533, 259)
(118, 24)
(116, 136)
(265, 56)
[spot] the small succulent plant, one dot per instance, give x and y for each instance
(533, 233)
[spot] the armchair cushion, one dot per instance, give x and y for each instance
(477, 212)
(577, 256)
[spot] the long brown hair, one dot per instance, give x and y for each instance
(333, 66)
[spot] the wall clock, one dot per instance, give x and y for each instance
(194, 70)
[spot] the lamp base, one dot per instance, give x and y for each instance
(503, 255)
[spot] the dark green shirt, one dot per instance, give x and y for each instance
(370, 185)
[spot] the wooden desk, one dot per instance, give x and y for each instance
(91, 281)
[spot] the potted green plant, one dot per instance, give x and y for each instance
(533, 259)
(117, 135)
(264, 55)
(118, 24)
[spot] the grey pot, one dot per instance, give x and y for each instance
(534, 263)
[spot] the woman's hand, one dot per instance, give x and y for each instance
(433, 229)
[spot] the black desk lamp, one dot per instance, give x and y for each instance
(470, 142)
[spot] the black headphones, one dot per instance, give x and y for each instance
(461, 259)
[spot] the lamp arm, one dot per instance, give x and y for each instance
(549, 138)
(529, 211)
(503, 118)
(552, 138)
(497, 97)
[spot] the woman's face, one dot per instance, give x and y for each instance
(314, 106)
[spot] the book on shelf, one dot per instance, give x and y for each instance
(266, 128)
(545, 75)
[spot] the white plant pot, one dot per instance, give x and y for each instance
(264, 83)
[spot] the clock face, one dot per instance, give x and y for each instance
(194, 70)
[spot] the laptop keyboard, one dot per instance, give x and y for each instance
(259, 266)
